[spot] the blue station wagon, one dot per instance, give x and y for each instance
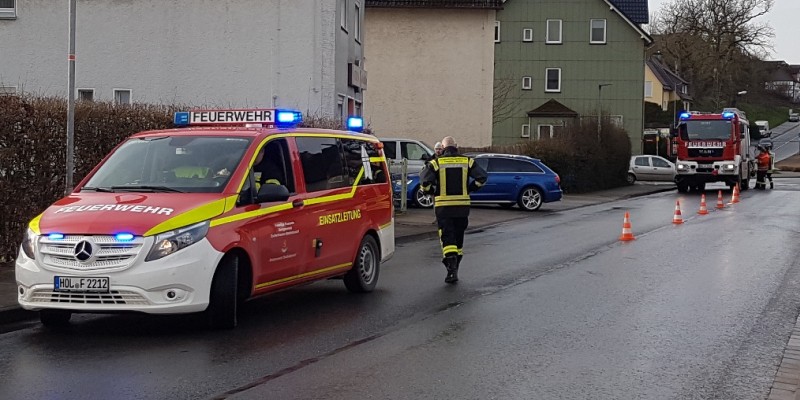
(521, 180)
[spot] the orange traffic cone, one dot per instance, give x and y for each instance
(735, 195)
(677, 218)
(720, 204)
(703, 210)
(626, 229)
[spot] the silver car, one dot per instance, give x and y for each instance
(650, 168)
(416, 152)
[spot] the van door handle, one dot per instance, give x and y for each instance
(517, 177)
(298, 203)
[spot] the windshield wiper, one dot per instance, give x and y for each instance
(148, 188)
(98, 189)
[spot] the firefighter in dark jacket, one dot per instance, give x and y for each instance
(447, 177)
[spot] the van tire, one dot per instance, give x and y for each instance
(363, 276)
(223, 299)
(55, 318)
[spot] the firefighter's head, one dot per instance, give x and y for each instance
(448, 141)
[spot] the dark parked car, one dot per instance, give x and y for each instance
(513, 179)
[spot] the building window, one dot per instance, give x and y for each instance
(8, 9)
(343, 14)
(357, 109)
(340, 110)
(544, 132)
(553, 77)
(527, 83)
(85, 94)
(497, 31)
(598, 28)
(122, 96)
(526, 131)
(553, 31)
(8, 90)
(648, 89)
(357, 23)
(527, 35)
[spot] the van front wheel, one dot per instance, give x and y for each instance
(222, 308)
(363, 276)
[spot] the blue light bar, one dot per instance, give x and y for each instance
(55, 236)
(124, 237)
(685, 115)
(288, 118)
(355, 124)
(727, 115)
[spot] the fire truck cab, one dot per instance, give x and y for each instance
(713, 147)
(231, 206)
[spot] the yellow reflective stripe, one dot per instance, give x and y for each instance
(251, 214)
(464, 180)
(303, 275)
(34, 224)
(386, 225)
(201, 213)
(435, 165)
(471, 162)
(453, 160)
(335, 197)
(461, 252)
(439, 203)
(451, 198)
(377, 159)
(449, 249)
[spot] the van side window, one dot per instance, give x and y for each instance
(322, 163)
(357, 154)
(276, 166)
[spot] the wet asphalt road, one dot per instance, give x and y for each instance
(552, 306)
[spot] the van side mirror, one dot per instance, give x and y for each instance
(272, 192)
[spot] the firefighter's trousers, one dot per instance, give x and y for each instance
(451, 235)
(761, 179)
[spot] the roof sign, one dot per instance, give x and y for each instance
(225, 117)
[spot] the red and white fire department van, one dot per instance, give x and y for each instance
(236, 204)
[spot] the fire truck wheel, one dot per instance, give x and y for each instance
(745, 184)
(699, 188)
(221, 310)
(631, 178)
(55, 318)
(363, 276)
(683, 188)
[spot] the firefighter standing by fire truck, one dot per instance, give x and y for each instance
(764, 161)
(446, 176)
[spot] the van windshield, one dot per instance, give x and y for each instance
(706, 130)
(195, 164)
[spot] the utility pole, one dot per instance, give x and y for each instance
(71, 98)
(599, 107)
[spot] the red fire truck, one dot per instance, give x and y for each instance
(713, 147)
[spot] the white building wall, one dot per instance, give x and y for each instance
(215, 53)
(430, 74)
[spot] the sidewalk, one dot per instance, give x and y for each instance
(414, 224)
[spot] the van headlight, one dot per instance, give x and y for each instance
(730, 167)
(682, 167)
(27, 244)
(169, 242)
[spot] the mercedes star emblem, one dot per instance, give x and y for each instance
(83, 251)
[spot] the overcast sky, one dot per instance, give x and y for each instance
(783, 17)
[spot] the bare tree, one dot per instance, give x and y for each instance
(710, 42)
(503, 103)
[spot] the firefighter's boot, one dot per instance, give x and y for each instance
(451, 262)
